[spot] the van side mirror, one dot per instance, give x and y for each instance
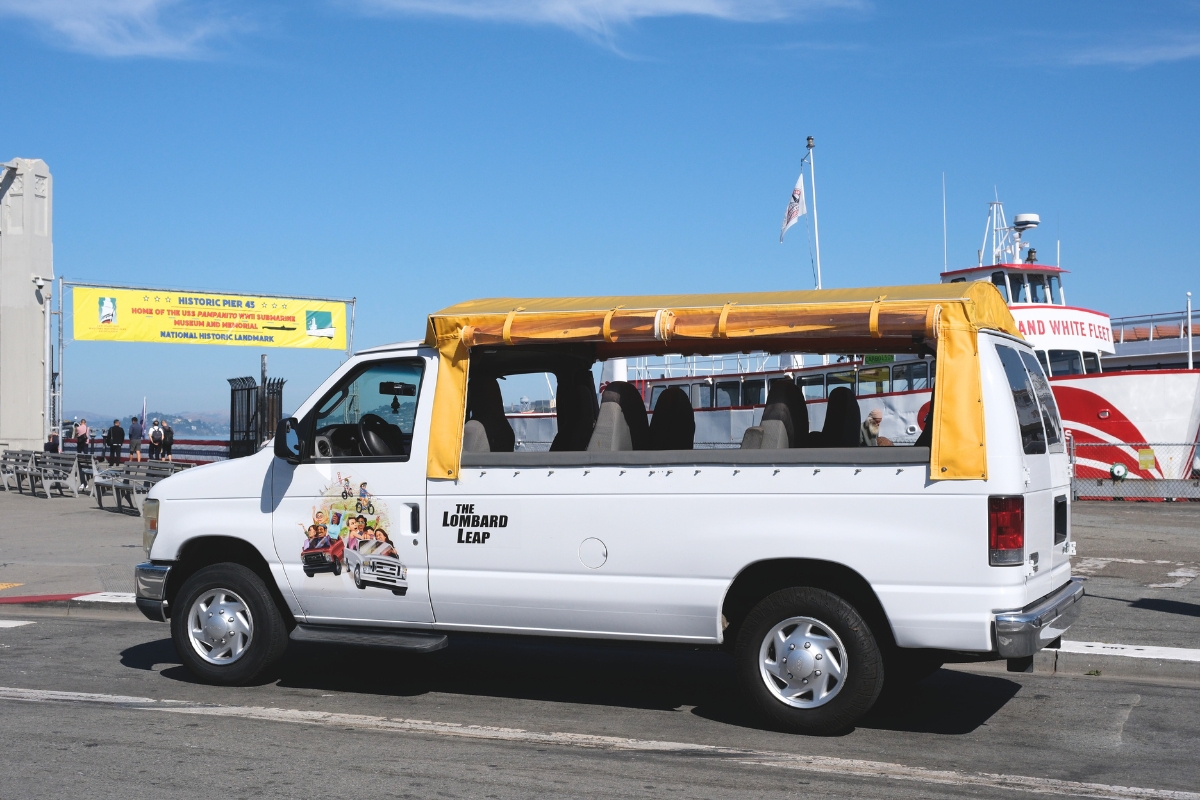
(288, 444)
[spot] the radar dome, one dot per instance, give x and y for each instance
(1024, 222)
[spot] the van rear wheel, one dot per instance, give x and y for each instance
(226, 626)
(808, 661)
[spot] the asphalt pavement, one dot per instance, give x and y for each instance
(102, 707)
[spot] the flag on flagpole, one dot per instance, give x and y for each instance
(795, 207)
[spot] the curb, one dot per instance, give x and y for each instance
(1098, 665)
(86, 605)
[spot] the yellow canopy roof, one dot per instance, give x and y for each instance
(879, 319)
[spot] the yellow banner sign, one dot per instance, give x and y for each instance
(154, 315)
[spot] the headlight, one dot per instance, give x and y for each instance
(149, 524)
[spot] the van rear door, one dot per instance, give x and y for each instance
(1037, 478)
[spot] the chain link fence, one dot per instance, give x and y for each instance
(1134, 471)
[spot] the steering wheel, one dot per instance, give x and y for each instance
(372, 438)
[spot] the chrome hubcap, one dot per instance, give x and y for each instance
(803, 662)
(220, 626)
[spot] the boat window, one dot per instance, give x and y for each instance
(1020, 289)
(1041, 357)
(655, 393)
(1001, 283)
(701, 395)
(1065, 362)
(1045, 397)
(1091, 363)
(1033, 437)
(910, 377)
(729, 394)
(813, 386)
(1037, 288)
(835, 379)
(754, 393)
(876, 380)
(958, 280)
(1055, 290)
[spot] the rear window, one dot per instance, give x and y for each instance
(1049, 408)
(1029, 417)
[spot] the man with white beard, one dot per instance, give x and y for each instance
(869, 433)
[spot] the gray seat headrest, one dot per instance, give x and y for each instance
(475, 438)
(624, 401)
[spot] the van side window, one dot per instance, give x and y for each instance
(1045, 396)
(371, 413)
(1029, 417)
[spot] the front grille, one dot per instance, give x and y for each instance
(314, 559)
(385, 568)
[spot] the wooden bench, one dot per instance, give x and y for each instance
(12, 462)
(131, 482)
(52, 471)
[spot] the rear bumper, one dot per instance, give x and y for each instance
(150, 585)
(1023, 632)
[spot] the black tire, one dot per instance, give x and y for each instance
(269, 636)
(358, 580)
(337, 567)
(308, 573)
(864, 663)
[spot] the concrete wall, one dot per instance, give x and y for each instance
(26, 250)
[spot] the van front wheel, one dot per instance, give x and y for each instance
(226, 626)
(808, 661)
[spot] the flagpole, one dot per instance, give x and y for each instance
(816, 233)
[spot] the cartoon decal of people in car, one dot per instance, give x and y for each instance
(353, 538)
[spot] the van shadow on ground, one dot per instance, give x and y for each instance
(592, 673)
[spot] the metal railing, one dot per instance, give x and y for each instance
(1134, 471)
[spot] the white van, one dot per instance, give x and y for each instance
(393, 509)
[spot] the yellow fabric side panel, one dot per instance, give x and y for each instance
(449, 405)
(959, 451)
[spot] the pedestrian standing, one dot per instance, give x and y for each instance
(116, 438)
(156, 440)
(168, 440)
(135, 440)
(82, 445)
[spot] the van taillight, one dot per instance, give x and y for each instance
(1006, 531)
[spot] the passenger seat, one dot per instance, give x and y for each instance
(842, 419)
(621, 423)
(576, 408)
(485, 405)
(673, 426)
(784, 421)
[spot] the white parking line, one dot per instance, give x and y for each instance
(1131, 651)
(849, 767)
(13, 623)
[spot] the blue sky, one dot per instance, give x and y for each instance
(414, 153)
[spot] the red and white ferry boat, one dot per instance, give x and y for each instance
(1126, 383)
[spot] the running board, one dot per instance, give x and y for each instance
(410, 641)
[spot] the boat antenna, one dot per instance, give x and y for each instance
(812, 172)
(945, 261)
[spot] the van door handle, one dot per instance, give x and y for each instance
(414, 516)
